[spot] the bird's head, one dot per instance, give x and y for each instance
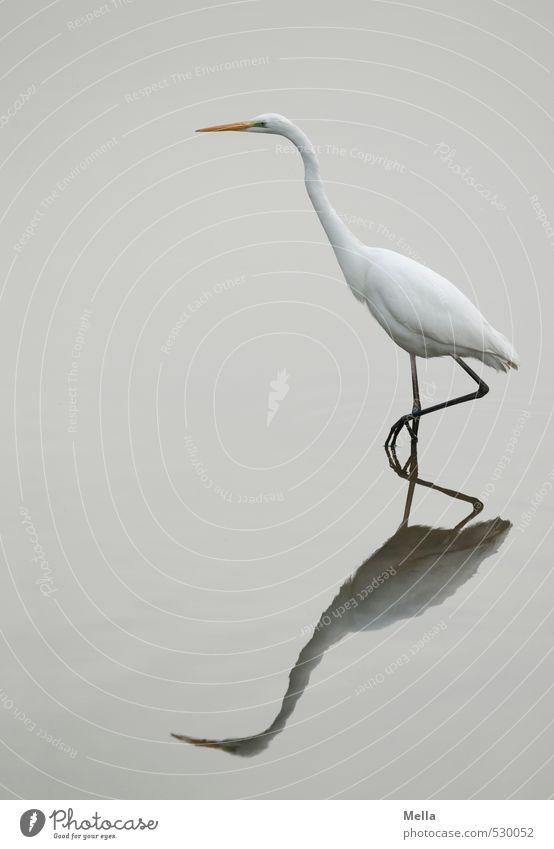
(271, 122)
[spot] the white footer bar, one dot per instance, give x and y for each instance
(279, 823)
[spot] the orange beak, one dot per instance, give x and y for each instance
(218, 128)
(197, 741)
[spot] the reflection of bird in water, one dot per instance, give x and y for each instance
(417, 568)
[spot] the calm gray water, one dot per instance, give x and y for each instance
(201, 531)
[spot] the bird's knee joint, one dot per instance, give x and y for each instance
(483, 389)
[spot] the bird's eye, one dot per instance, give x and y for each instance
(261, 124)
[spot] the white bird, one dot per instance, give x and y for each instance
(424, 313)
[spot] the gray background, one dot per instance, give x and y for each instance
(172, 602)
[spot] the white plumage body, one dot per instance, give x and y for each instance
(422, 311)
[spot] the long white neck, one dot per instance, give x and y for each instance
(344, 243)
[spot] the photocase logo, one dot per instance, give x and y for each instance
(278, 391)
(32, 822)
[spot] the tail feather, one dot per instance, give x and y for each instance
(497, 362)
(500, 353)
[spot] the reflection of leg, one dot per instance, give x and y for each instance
(410, 472)
(410, 420)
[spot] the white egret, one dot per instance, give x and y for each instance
(424, 313)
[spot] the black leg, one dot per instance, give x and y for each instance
(416, 407)
(414, 417)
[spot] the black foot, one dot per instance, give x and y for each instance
(405, 421)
